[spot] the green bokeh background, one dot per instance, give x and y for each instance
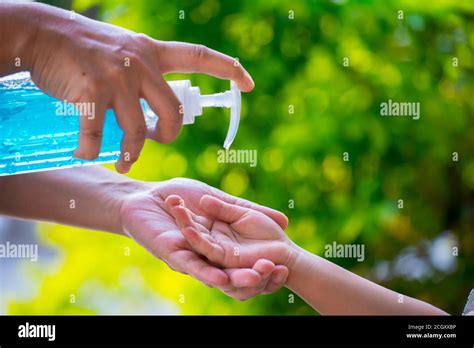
(297, 64)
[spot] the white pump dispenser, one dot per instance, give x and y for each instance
(193, 102)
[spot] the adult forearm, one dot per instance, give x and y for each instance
(18, 28)
(333, 290)
(87, 197)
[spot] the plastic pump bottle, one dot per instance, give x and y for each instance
(38, 132)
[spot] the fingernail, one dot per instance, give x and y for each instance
(279, 278)
(77, 154)
(247, 75)
(122, 168)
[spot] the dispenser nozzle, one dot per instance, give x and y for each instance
(234, 115)
(229, 99)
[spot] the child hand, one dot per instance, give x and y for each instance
(229, 235)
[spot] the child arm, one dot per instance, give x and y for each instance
(325, 286)
(333, 290)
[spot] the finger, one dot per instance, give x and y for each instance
(203, 245)
(131, 121)
(173, 200)
(164, 103)
(90, 135)
(277, 279)
(217, 209)
(185, 218)
(242, 294)
(181, 214)
(199, 241)
(197, 268)
(277, 216)
(264, 267)
(243, 277)
(255, 278)
(201, 223)
(186, 57)
(248, 283)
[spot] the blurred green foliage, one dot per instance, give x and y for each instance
(298, 63)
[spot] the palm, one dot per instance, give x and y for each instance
(242, 243)
(253, 237)
(146, 220)
(229, 234)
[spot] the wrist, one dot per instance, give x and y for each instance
(301, 264)
(121, 194)
(295, 254)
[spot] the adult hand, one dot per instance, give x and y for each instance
(80, 60)
(146, 218)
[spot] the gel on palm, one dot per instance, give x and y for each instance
(35, 137)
